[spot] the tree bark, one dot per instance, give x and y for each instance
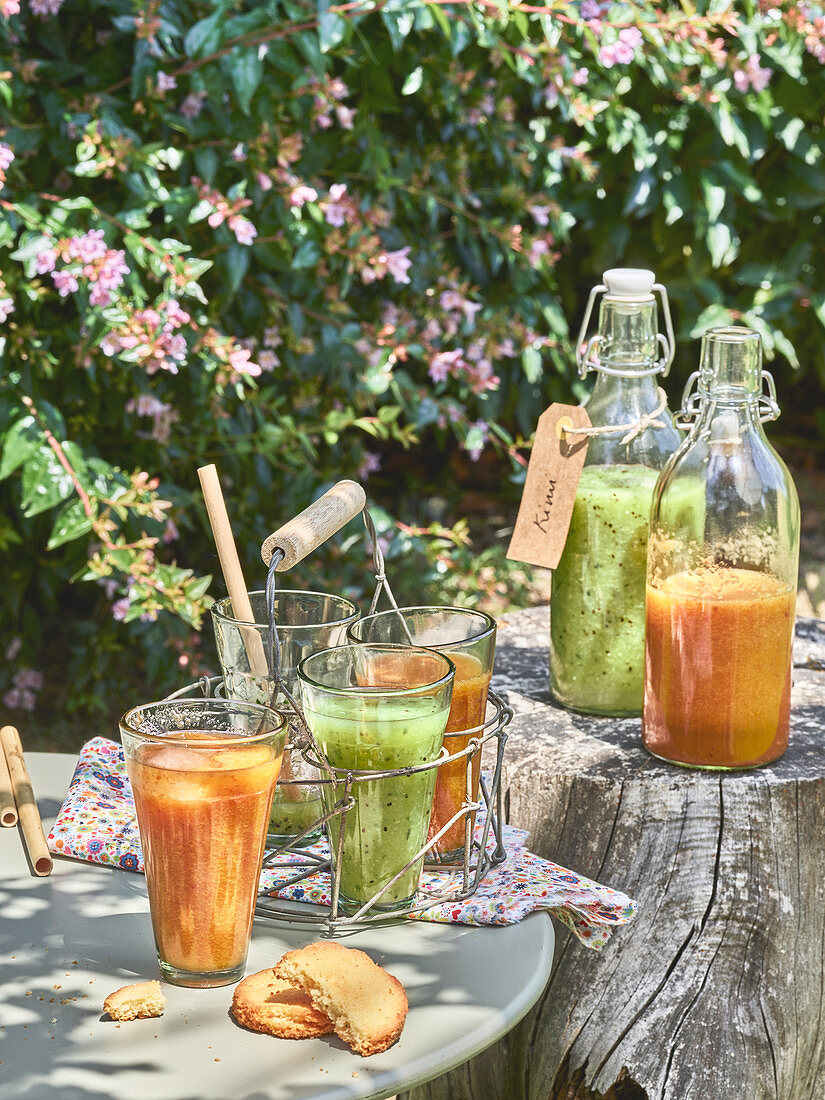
(717, 989)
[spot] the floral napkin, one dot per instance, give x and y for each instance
(97, 823)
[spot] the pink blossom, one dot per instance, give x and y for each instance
(6, 156)
(6, 307)
(268, 360)
(302, 194)
(18, 698)
(145, 405)
(107, 275)
(175, 315)
(445, 363)
(537, 250)
(631, 36)
(170, 532)
(88, 247)
(46, 7)
(398, 264)
(272, 337)
(45, 261)
(65, 282)
(120, 609)
(431, 331)
(477, 437)
(264, 181)
(9, 7)
(245, 232)
(28, 678)
(14, 647)
(99, 296)
(239, 361)
(337, 89)
(338, 206)
(370, 465)
(323, 121)
(345, 116)
(165, 83)
(551, 94)
(753, 76)
(192, 104)
(580, 76)
(507, 348)
(590, 9)
(541, 214)
(238, 154)
(219, 214)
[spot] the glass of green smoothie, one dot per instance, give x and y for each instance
(306, 622)
(373, 709)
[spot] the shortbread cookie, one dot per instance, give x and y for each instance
(135, 1002)
(265, 1003)
(367, 1005)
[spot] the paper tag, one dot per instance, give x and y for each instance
(550, 488)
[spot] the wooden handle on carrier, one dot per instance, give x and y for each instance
(301, 535)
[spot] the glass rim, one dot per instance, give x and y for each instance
(259, 710)
(342, 621)
(377, 691)
(489, 628)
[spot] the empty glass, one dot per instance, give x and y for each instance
(306, 622)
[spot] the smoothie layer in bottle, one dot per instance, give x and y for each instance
(718, 668)
(202, 816)
(388, 823)
(597, 616)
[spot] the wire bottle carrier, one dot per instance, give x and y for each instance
(483, 837)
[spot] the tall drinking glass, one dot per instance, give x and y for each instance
(202, 772)
(468, 638)
(372, 709)
(307, 622)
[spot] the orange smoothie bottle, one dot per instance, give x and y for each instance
(721, 576)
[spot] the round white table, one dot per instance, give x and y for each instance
(68, 940)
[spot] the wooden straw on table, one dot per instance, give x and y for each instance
(236, 586)
(30, 823)
(8, 809)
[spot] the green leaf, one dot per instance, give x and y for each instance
(23, 438)
(45, 482)
(206, 35)
(245, 71)
(70, 523)
(331, 27)
(398, 24)
(413, 81)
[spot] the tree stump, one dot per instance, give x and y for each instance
(716, 991)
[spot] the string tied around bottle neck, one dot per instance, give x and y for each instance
(632, 431)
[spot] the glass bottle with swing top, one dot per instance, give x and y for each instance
(598, 589)
(722, 572)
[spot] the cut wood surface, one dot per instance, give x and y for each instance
(717, 989)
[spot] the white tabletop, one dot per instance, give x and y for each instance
(68, 940)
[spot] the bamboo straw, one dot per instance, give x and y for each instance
(231, 567)
(236, 586)
(30, 823)
(8, 809)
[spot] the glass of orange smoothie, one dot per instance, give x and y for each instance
(202, 773)
(468, 638)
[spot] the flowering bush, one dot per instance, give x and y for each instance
(306, 241)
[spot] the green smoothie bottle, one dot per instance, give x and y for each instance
(597, 599)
